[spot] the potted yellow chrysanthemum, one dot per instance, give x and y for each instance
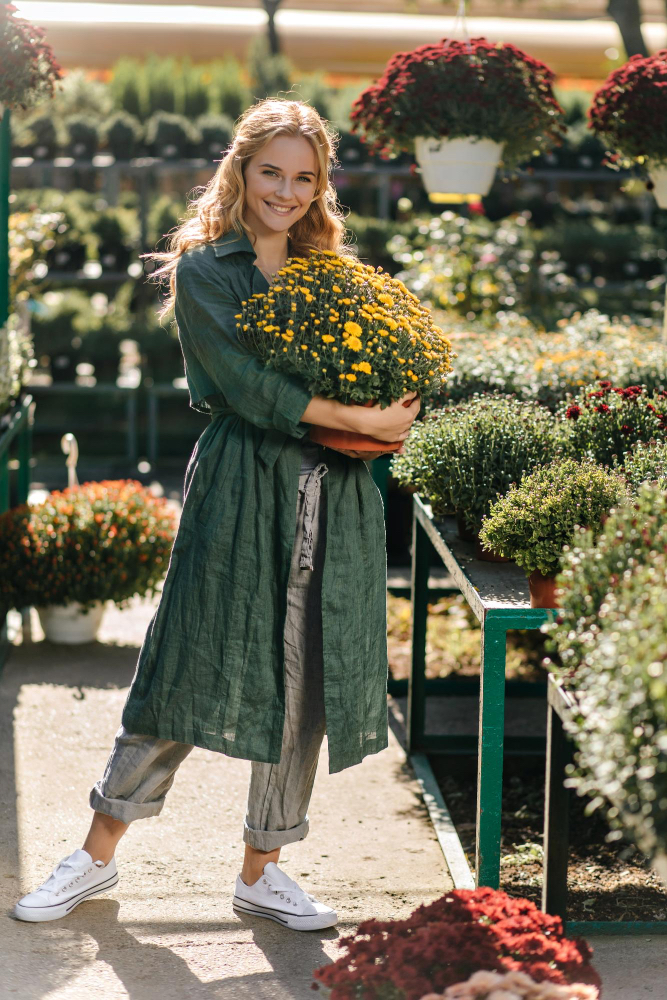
(351, 332)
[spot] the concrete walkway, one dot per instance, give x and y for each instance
(168, 931)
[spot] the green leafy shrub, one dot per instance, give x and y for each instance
(620, 722)
(596, 564)
(605, 421)
(171, 136)
(533, 521)
(646, 463)
(228, 90)
(216, 135)
(105, 540)
(81, 137)
(123, 135)
(462, 457)
(16, 358)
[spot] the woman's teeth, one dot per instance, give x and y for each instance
(279, 209)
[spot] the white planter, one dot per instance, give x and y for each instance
(659, 177)
(458, 166)
(66, 623)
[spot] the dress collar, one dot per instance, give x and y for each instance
(231, 242)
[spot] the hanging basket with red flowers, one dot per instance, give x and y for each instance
(28, 68)
(629, 114)
(464, 105)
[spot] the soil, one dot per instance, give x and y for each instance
(606, 881)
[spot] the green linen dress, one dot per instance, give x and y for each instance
(210, 670)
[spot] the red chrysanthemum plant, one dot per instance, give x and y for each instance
(445, 942)
(629, 114)
(28, 68)
(457, 104)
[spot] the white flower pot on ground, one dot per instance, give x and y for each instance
(458, 166)
(66, 623)
(659, 177)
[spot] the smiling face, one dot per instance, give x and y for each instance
(280, 184)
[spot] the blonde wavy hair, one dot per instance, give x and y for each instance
(220, 205)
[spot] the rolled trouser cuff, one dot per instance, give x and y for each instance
(269, 840)
(122, 809)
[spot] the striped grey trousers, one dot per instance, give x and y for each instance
(141, 769)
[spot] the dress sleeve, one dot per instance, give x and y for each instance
(205, 310)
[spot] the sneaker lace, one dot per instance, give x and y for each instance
(65, 872)
(290, 893)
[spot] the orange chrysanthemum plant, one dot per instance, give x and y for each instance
(351, 332)
(106, 540)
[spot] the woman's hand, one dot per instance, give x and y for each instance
(391, 424)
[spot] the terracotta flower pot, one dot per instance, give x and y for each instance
(542, 590)
(487, 555)
(350, 440)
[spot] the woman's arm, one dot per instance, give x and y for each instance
(391, 424)
(216, 360)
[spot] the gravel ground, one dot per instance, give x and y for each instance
(168, 931)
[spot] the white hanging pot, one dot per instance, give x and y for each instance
(66, 623)
(458, 166)
(659, 177)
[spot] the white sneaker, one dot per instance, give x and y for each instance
(72, 881)
(276, 896)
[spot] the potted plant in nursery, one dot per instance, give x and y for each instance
(462, 107)
(28, 69)
(442, 944)
(627, 113)
(535, 519)
(351, 333)
(80, 547)
(462, 457)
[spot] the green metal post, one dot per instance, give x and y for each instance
(4, 215)
(491, 747)
(24, 453)
(421, 560)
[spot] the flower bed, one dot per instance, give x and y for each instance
(443, 943)
(606, 421)
(547, 367)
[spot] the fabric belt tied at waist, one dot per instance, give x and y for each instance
(311, 489)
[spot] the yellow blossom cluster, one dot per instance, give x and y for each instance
(350, 330)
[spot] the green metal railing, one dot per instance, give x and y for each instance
(498, 595)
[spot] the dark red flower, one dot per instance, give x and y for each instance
(573, 412)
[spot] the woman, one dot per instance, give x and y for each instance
(271, 627)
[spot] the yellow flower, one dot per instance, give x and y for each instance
(335, 288)
(386, 299)
(304, 347)
(341, 376)
(394, 340)
(351, 378)
(327, 338)
(287, 337)
(353, 343)
(353, 328)
(238, 316)
(365, 367)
